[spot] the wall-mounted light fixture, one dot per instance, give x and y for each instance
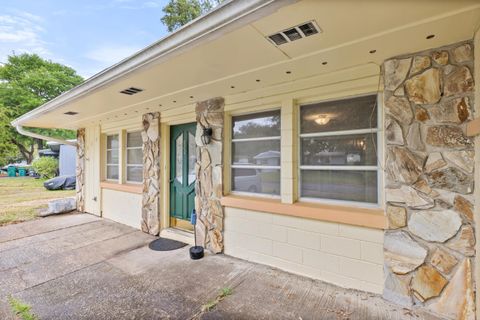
(207, 135)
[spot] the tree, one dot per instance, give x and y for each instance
(181, 12)
(26, 82)
(8, 151)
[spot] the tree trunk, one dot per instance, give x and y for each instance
(39, 143)
(26, 154)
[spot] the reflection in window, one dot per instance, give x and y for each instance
(265, 124)
(112, 157)
(349, 185)
(348, 114)
(338, 150)
(256, 153)
(348, 150)
(192, 158)
(134, 157)
(179, 158)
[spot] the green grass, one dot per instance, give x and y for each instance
(21, 310)
(222, 295)
(22, 197)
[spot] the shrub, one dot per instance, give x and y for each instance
(46, 166)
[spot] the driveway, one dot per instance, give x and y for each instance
(81, 267)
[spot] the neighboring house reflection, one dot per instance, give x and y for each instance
(258, 180)
(337, 158)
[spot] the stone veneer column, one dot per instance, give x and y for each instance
(151, 173)
(209, 174)
(430, 247)
(80, 171)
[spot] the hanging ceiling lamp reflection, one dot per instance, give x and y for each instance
(322, 119)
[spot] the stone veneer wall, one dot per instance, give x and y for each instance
(80, 171)
(430, 247)
(151, 173)
(209, 174)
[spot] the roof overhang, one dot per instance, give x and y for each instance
(225, 52)
(226, 17)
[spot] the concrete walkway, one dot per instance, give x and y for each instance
(82, 267)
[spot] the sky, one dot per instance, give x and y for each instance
(86, 35)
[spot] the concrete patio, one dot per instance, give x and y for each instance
(79, 266)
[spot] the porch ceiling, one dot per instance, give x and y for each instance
(350, 29)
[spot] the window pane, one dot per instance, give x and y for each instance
(266, 181)
(265, 124)
(350, 150)
(112, 156)
(179, 158)
(266, 152)
(340, 185)
(192, 158)
(134, 139)
(112, 172)
(135, 173)
(134, 156)
(350, 114)
(112, 141)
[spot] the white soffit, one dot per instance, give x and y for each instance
(350, 29)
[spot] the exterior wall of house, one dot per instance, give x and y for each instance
(118, 200)
(427, 192)
(123, 207)
(151, 173)
(430, 247)
(476, 63)
(91, 160)
(209, 175)
(80, 171)
(348, 256)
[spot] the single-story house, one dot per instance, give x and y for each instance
(371, 106)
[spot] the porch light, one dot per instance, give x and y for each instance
(207, 135)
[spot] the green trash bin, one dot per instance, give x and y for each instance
(12, 171)
(22, 172)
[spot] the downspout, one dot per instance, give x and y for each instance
(24, 132)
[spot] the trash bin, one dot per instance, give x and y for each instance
(12, 171)
(22, 172)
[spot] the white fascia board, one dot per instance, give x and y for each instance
(227, 16)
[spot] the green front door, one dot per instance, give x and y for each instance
(182, 171)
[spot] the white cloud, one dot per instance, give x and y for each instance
(134, 5)
(21, 32)
(111, 54)
(151, 4)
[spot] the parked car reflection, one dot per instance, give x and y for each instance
(257, 179)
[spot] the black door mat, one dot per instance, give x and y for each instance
(162, 244)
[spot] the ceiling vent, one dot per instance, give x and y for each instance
(295, 33)
(71, 113)
(131, 91)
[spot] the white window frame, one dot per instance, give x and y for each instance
(106, 157)
(126, 158)
(379, 147)
(239, 166)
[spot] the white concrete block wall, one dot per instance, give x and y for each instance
(122, 207)
(344, 255)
